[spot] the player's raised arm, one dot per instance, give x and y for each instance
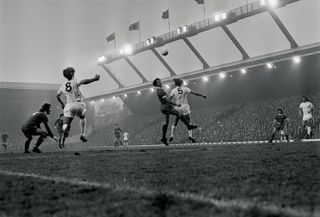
(198, 94)
(89, 80)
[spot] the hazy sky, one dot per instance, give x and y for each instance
(38, 38)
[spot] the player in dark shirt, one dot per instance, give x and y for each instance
(280, 125)
(5, 139)
(167, 108)
(58, 125)
(117, 134)
(32, 128)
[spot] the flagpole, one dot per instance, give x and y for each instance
(204, 10)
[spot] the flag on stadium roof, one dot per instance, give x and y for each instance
(134, 26)
(165, 14)
(111, 37)
(200, 2)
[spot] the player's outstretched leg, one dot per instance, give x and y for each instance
(65, 134)
(183, 119)
(190, 137)
(36, 147)
(83, 130)
(173, 128)
(287, 138)
(189, 126)
(27, 145)
(164, 130)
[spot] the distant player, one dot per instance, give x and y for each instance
(125, 138)
(168, 108)
(74, 104)
(117, 134)
(280, 124)
(32, 128)
(305, 110)
(58, 125)
(5, 140)
(180, 94)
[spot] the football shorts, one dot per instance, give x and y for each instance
(306, 117)
(74, 108)
(183, 109)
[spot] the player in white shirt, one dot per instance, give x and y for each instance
(125, 138)
(180, 93)
(305, 110)
(74, 102)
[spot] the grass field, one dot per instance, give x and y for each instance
(256, 180)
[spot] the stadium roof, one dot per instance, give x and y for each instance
(37, 53)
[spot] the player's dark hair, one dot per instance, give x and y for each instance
(178, 81)
(68, 73)
(45, 107)
(60, 115)
(280, 110)
(154, 83)
(306, 98)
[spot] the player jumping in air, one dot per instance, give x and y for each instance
(280, 123)
(74, 105)
(58, 125)
(305, 110)
(5, 140)
(180, 94)
(32, 128)
(168, 108)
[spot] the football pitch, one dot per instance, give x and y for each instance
(247, 180)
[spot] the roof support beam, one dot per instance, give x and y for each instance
(284, 30)
(112, 76)
(196, 52)
(235, 42)
(136, 70)
(172, 73)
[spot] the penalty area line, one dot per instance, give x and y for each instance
(220, 203)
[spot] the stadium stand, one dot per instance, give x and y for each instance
(250, 121)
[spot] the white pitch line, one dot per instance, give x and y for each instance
(242, 204)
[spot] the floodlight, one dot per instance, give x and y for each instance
(273, 3)
(269, 65)
(102, 59)
(128, 49)
(182, 30)
(205, 78)
(243, 71)
(217, 17)
(224, 15)
(222, 75)
(296, 59)
(151, 41)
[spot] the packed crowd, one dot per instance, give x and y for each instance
(239, 122)
(250, 121)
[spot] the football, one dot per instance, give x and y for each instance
(164, 51)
